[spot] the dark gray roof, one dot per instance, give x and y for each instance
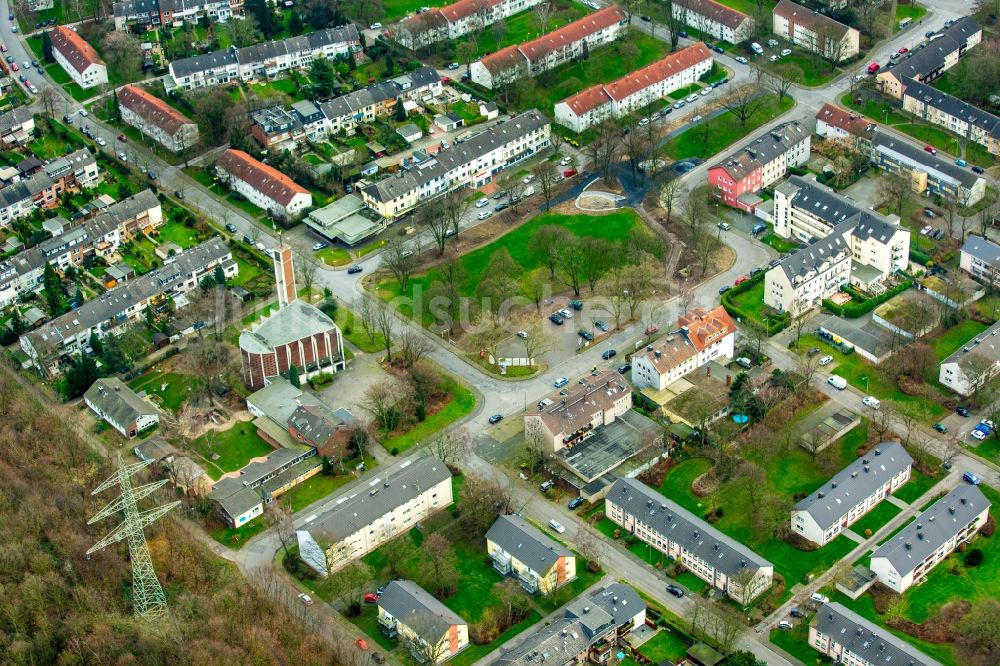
(855, 483)
(618, 600)
(315, 423)
(203, 63)
(376, 495)
(275, 119)
(294, 321)
(14, 193)
(982, 249)
(984, 345)
(527, 543)
(121, 404)
(126, 8)
(907, 153)
(418, 78)
(14, 118)
(932, 57)
(812, 256)
(869, 642)
(259, 53)
(953, 106)
(933, 528)
(820, 201)
(524, 123)
(233, 497)
(353, 102)
(679, 525)
(871, 225)
(764, 149)
(410, 604)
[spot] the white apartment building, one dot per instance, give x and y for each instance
(851, 493)
(701, 337)
(431, 631)
(548, 51)
(715, 19)
(815, 32)
(262, 185)
(849, 639)
(720, 561)
(635, 90)
(472, 163)
(566, 419)
(973, 364)
(380, 506)
(454, 20)
(959, 117)
(907, 558)
(77, 58)
(156, 119)
(981, 258)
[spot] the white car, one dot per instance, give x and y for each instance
(101, 141)
(485, 215)
(696, 118)
(705, 91)
(482, 203)
(375, 26)
(978, 434)
(772, 43)
(870, 401)
(305, 598)
(742, 60)
(819, 598)
(557, 526)
(527, 179)
(826, 360)
(318, 246)
(926, 230)
(123, 157)
(785, 53)
(773, 58)
(83, 112)
(523, 335)
(566, 161)
(643, 122)
(691, 98)
(566, 313)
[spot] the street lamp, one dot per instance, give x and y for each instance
(866, 383)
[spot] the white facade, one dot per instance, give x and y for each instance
(647, 373)
(714, 19)
(973, 364)
(815, 32)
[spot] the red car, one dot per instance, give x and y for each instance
(741, 280)
(361, 643)
(445, 79)
(3, 48)
(874, 67)
(14, 67)
(903, 51)
(122, 138)
(931, 149)
(569, 172)
(371, 598)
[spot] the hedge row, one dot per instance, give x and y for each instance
(920, 257)
(775, 324)
(855, 309)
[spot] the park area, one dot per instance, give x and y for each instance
(230, 450)
(715, 134)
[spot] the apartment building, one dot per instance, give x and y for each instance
(715, 19)
(851, 493)
(472, 163)
(758, 165)
(587, 633)
(454, 20)
(846, 244)
(519, 549)
(549, 51)
(702, 337)
(276, 127)
(144, 14)
(346, 112)
(908, 557)
(928, 174)
(261, 60)
(847, 638)
(262, 185)
(36, 185)
(17, 126)
(973, 364)
(431, 631)
(635, 90)
(567, 418)
(381, 505)
(77, 58)
(980, 258)
(723, 563)
(944, 110)
(934, 59)
(836, 124)
(121, 407)
(815, 32)
(69, 334)
(156, 119)
(148, 14)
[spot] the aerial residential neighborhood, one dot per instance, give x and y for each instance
(500, 332)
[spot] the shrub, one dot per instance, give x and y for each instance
(855, 309)
(395, 451)
(989, 527)
(973, 558)
(868, 533)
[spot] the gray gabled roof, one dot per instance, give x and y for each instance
(932, 57)
(527, 543)
(912, 156)
(820, 201)
(812, 256)
(14, 118)
(869, 642)
(412, 605)
(855, 483)
(121, 404)
(984, 345)
(203, 63)
(952, 106)
(376, 495)
(764, 149)
(982, 249)
(933, 528)
(680, 526)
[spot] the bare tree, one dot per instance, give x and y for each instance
(603, 149)
(543, 13)
(547, 243)
(743, 102)
(48, 98)
(280, 519)
(440, 566)
(450, 446)
(671, 192)
(779, 80)
(383, 401)
(400, 261)
(348, 585)
(453, 207)
(536, 341)
(483, 499)
(512, 187)
(385, 323)
(366, 310)
(413, 347)
(440, 226)
(307, 268)
(545, 176)
(894, 189)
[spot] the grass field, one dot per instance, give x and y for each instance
(173, 232)
(715, 134)
(397, 9)
(461, 403)
(883, 112)
(749, 7)
(524, 27)
(806, 69)
(876, 518)
(171, 387)
(915, 488)
(315, 488)
(665, 645)
(780, 244)
(948, 342)
(334, 256)
(913, 11)
(355, 334)
(237, 537)
(932, 135)
(230, 450)
(796, 643)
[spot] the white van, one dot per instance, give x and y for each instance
(838, 383)
(757, 48)
(871, 401)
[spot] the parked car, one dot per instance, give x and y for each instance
(375, 26)
(231, 228)
(565, 161)
(101, 141)
(609, 354)
(545, 485)
(354, 269)
(938, 235)
(742, 60)
(576, 305)
(785, 625)
(556, 526)
(785, 53)
(961, 411)
(485, 215)
(826, 360)
(306, 599)
(569, 172)
(559, 383)
(960, 162)
(378, 657)
(871, 401)
(574, 503)
(740, 280)
(931, 149)
(819, 598)
(566, 313)
(601, 325)
(874, 67)
(723, 289)
(926, 230)
(361, 643)
(978, 434)
(622, 369)
(556, 319)
(836, 382)
(586, 335)
(969, 477)
(940, 427)
(675, 590)
(482, 203)
(744, 362)
(977, 169)
(723, 225)
(453, 66)
(14, 67)
(795, 612)
(372, 598)
(496, 418)
(318, 246)
(691, 98)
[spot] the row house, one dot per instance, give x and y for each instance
(944, 110)
(714, 19)
(383, 504)
(719, 560)
(262, 60)
(701, 337)
(908, 557)
(934, 59)
(851, 493)
(815, 32)
(143, 15)
(568, 418)
(847, 638)
(310, 117)
(758, 165)
(40, 185)
(927, 173)
(262, 185)
(454, 20)
(549, 51)
(635, 90)
(70, 333)
(156, 119)
(345, 113)
(17, 126)
(980, 258)
(472, 163)
(519, 549)
(78, 58)
(275, 126)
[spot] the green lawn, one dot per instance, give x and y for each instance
(316, 488)
(461, 403)
(948, 342)
(935, 136)
(912, 11)
(915, 488)
(171, 387)
(751, 301)
(355, 334)
(875, 519)
(524, 27)
(334, 256)
(397, 9)
(230, 450)
(286, 86)
(247, 271)
(57, 74)
(749, 7)
(804, 68)
(716, 134)
(172, 232)
(237, 537)
(780, 244)
(681, 93)
(666, 644)
(796, 643)
(883, 112)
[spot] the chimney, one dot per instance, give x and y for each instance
(284, 274)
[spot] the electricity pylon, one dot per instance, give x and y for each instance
(148, 599)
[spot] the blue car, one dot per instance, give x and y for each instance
(969, 477)
(574, 503)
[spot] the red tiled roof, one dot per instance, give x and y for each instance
(504, 59)
(571, 33)
(152, 109)
(265, 179)
(587, 99)
(465, 8)
(79, 53)
(798, 15)
(658, 71)
(705, 328)
(843, 119)
(719, 13)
